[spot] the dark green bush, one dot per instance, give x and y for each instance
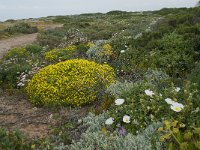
(34, 48)
(174, 54)
(13, 140)
(195, 75)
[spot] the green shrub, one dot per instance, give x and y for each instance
(173, 54)
(179, 136)
(144, 109)
(61, 37)
(75, 82)
(21, 28)
(13, 140)
(12, 64)
(34, 48)
(9, 75)
(17, 53)
(195, 75)
(16, 140)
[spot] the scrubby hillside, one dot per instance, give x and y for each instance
(127, 80)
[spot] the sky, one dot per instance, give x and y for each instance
(19, 9)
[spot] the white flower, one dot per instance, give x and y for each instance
(149, 93)
(169, 101)
(51, 116)
(109, 121)
(177, 107)
(177, 89)
(126, 119)
(119, 101)
(122, 51)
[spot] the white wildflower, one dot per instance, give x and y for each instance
(126, 119)
(119, 101)
(177, 107)
(177, 89)
(109, 121)
(122, 51)
(169, 101)
(149, 93)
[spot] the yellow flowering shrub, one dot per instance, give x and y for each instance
(51, 55)
(75, 82)
(107, 49)
(90, 44)
(70, 48)
(55, 55)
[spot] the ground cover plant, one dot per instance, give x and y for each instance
(122, 80)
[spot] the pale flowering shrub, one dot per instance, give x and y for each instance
(11, 67)
(144, 104)
(18, 66)
(97, 136)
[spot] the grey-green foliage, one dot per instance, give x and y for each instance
(95, 53)
(156, 77)
(118, 88)
(93, 138)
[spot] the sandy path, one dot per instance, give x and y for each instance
(7, 44)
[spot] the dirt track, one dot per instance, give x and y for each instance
(7, 44)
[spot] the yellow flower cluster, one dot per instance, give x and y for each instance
(90, 44)
(51, 55)
(70, 48)
(107, 49)
(75, 82)
(54, 54)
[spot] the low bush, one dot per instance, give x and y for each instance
(145, 103)
(99, 136)
(61, 37)
(56, 55)
(18, 65)
(75, 82)
(16, 140)
(12, 64)
(17, 53)
(21, 28)
(195, 75)
(101, 52)
(34, 48)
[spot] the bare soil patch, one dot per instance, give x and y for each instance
(16, 112)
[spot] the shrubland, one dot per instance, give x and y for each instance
(140, 72)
